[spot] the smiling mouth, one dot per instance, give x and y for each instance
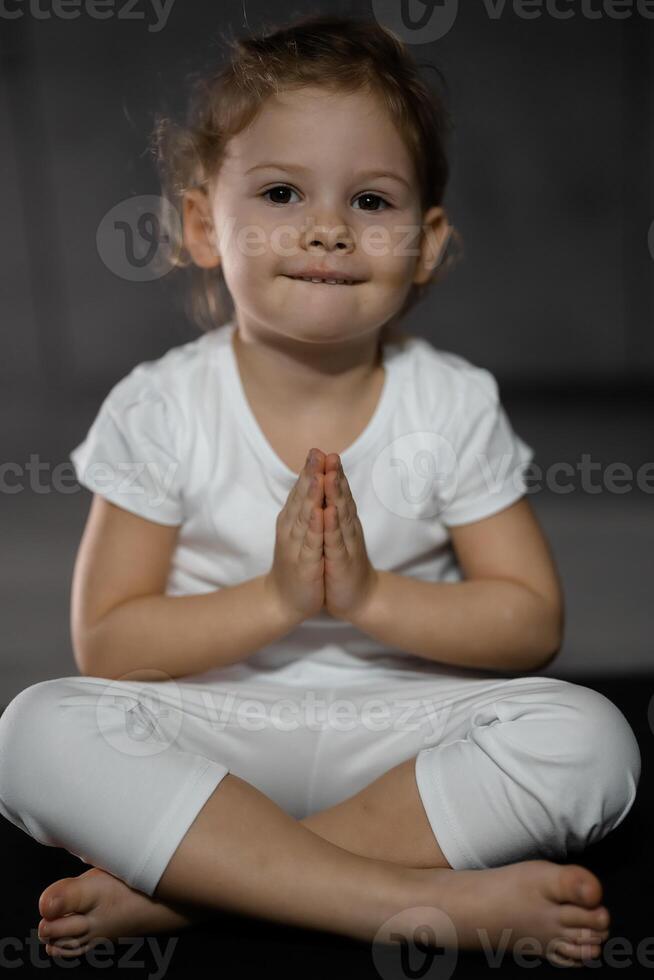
(326, 282)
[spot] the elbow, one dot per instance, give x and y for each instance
(81, 651)
(552, 633)
(549, 656)
(84, 659)
(87, 654)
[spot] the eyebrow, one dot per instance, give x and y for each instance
(294, 166)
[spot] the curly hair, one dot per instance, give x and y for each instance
(339, 53)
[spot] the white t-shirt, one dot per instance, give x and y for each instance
(175, 441)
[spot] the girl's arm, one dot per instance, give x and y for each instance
(122, 624)
(507, 615)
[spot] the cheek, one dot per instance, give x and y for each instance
(390, 247)
(392, 271)
(405, 238)
(268, 242)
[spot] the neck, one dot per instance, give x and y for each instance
(309, 375)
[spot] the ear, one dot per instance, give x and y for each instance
(199, 231)
(436, 232)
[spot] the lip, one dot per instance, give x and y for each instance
(322, 274)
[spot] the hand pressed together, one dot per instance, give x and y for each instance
(350, 578)
(320, 554)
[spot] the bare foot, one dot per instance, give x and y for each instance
(484, 909)
(493, 908)
(96, 906)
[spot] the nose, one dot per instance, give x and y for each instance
(330, 237)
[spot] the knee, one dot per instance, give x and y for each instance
(30, 739)
(606, 762)
(22, 721)
(605, 740)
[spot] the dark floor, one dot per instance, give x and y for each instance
(236, 946)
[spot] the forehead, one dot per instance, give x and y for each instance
(321, 130)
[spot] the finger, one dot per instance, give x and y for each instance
(299, 492)
(305, 521)
(335, 481)
(334, 544)
(332, 461)
(340, 497)
(311, 549)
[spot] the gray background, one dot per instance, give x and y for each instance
(551, 190)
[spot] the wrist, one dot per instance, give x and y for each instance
(286, 619)
(365, 611)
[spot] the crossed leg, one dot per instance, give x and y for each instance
(385, 820)
(244, 853)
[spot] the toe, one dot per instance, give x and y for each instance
(65, 896)
(45, 897)
(560, 960)
(66, 949)
(70, 926)
(587, 886)
(585, 935)
(575, 916)
(575, 951)
(577, 885)
(55, 892)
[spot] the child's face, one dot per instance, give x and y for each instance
(329, 214)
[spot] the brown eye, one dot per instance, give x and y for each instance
(373, 197)
(279, 188)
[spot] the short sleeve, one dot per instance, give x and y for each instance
(490, 459)
(130, 453)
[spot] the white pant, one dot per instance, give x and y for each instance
(115, 772)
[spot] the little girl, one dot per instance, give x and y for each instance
(368, 598)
